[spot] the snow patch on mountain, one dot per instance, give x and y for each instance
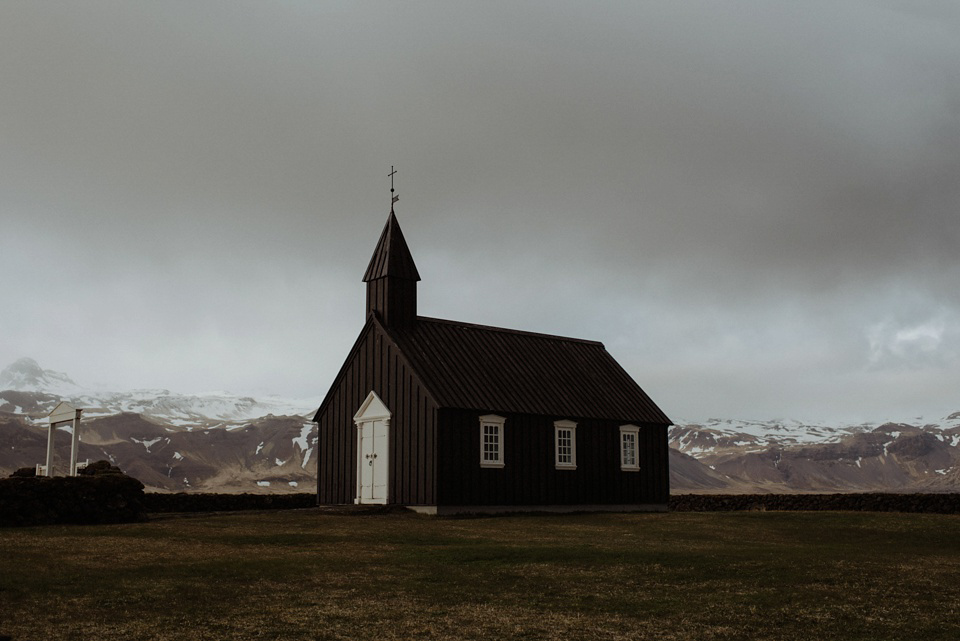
(306, 457)
(147, 443)
(301, 441)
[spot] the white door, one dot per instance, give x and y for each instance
(373, 462)
(373, 442)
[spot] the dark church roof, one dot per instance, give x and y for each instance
(470, 366)
(392, 256)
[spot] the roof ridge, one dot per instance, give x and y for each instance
(505, 330)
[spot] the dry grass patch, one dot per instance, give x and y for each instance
(306, 575)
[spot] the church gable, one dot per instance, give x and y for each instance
(372, 408)
(376, 377)
(370, 360)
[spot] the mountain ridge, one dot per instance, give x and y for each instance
(229, 443)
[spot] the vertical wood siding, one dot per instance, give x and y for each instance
(394, 299)
(376, 365)
(529, 475)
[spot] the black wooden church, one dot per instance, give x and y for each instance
(445, 417)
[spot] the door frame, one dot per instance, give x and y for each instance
(373, 409)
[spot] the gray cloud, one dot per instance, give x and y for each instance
(754, 204)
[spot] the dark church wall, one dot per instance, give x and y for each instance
(394, 299)
(375, 364)
(529, 475)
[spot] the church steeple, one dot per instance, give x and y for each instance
(391, 278)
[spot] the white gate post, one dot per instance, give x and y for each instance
(76, 440)
(49, 470)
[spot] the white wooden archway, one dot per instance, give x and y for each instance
(61, 414)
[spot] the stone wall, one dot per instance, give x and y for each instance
(183, 502)
(106, 498)
(873, 502)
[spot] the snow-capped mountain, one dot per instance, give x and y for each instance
(789, 456)
(26, 375)
(46, 388)
(202, 442)
(715, 435)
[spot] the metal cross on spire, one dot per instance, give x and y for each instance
(393, 198)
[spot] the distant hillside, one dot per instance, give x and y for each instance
(227, 443)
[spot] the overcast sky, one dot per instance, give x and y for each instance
(754, 205)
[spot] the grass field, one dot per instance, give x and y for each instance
(306, 575)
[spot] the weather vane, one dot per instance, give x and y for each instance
(393, 198)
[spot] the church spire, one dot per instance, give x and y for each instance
(392, 257)
(391, 278)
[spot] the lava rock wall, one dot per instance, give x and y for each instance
(872, 502)
(184, 502)
(103, 498)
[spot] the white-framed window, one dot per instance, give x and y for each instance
(491, 440)
(629, 447)
(565, 448)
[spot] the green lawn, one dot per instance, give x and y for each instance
(306, 575)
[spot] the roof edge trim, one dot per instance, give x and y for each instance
(342, 371)
(507, 330)
(406, 361)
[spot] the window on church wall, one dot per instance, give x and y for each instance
(491, 440)
(492, 444)
(565, 445)
(629, 453)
